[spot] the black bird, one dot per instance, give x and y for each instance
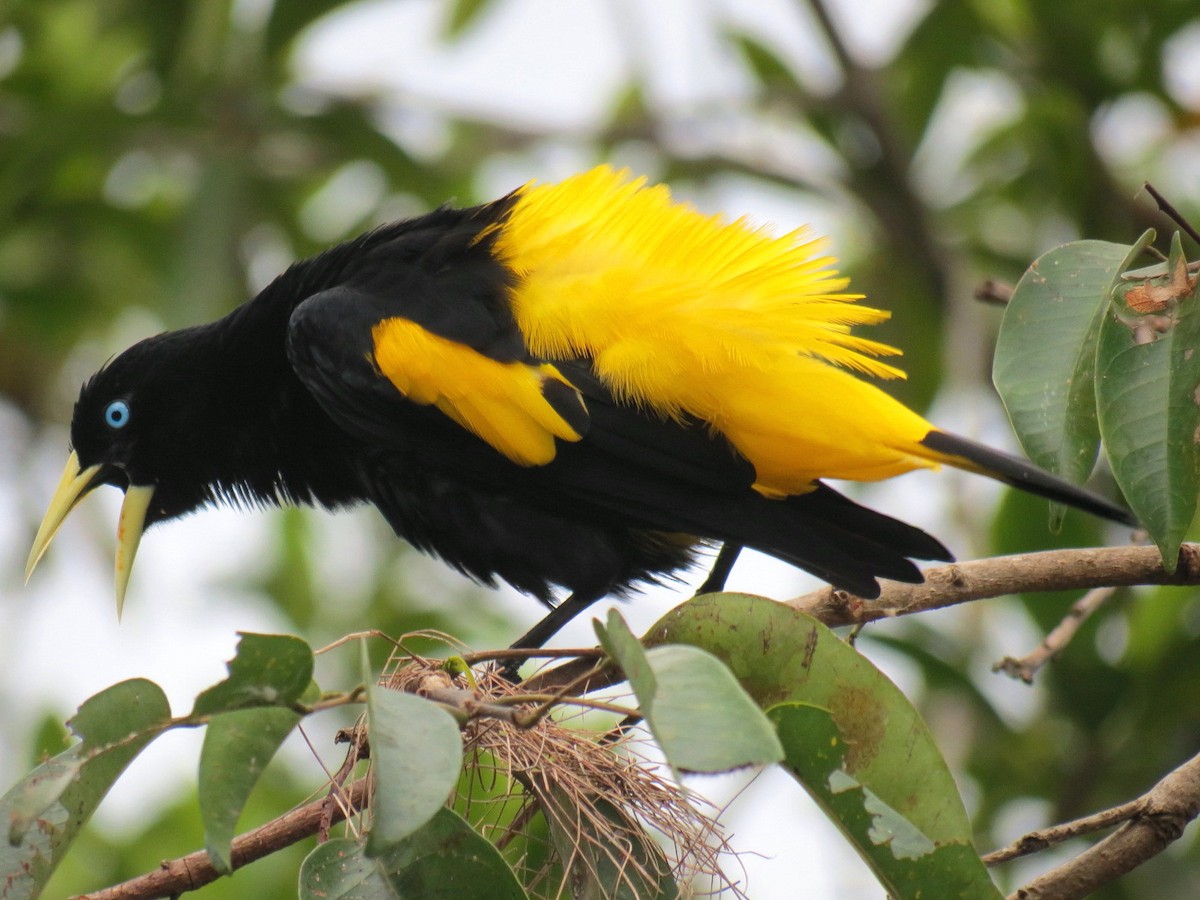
(575, 386)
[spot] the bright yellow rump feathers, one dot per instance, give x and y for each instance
(687, 313)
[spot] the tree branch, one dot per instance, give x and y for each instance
(191, 872)
(1051, 570)
(1155, 820)
(883, 181)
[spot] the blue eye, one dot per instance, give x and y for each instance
(116, 414)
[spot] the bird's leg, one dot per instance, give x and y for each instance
(577, 602)
(549, 626)
(554, 620)
(720, 570)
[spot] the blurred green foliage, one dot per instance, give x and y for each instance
(157, 154)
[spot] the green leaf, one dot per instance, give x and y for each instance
(701, 718)
(29, 799)
(463, 14)
(619, 642)
(785, 658)
(764, 63)
(908, 862)
(46, 810)
(237, 747)
(1148, 396)
(1045, 362)
(268, 670)
(444, 860)
(416, 749)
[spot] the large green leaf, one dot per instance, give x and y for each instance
(237, 747)
(1148, 396)
(903, 856)
(873, 738)
(701, 718)
(44, 812)
(444, 860)
(1045, 361)
(416, 749)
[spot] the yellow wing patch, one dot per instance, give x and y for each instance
(516, 407)
(687, 313)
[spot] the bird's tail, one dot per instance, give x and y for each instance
(1021, 473)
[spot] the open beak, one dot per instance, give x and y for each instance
(74, 484)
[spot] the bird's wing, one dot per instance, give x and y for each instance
(392, 382)
(423, 313)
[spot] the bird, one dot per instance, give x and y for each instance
(577, 389)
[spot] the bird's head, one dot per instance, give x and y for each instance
(130, 429)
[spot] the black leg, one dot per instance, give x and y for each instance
(721, 568)
(549, 626)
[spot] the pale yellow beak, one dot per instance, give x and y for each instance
(72, 487)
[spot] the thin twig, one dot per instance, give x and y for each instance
(188, 873)
(882, 177)
(1058, 638)
(359, 749)
(1158, 819)
(1171, 212)
(1044, 838)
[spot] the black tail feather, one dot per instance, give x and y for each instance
(1023, 474)
(836, 539)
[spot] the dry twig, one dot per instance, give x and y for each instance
(1058, 638)
(1045, 838)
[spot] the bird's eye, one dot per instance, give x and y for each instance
(116, 414)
